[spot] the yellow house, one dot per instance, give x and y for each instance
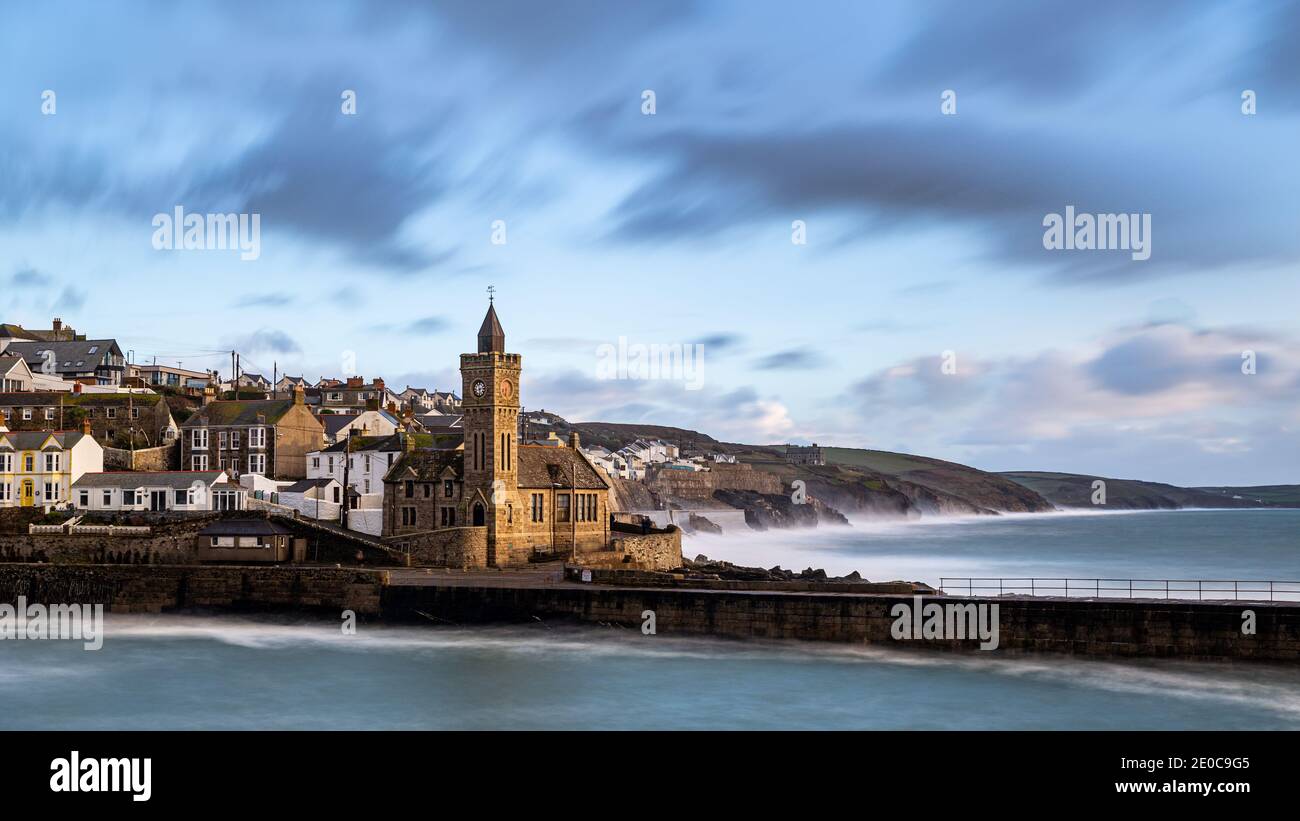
(37, 468)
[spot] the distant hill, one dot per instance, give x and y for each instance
(614, 435)
(1075, 490)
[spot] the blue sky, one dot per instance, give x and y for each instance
(924, 231)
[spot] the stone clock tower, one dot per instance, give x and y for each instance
(490, 405)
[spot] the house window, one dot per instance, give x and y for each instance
(108, 498)
(234, 439)
(199, 439)
(428, 490)
(49, 414)
(448, 516)
(367, 485)
(29, 464)
(49, 491)
(6, 462)
(221, 440)
(135, 413)
(257, 437)
(128, 497)
(182, 497)
(51, 462)
(27, 413)
(5, 493)
(315, 463)
(538, 506)
(199, 461)
(448, 488)
(408, 517)
(410, 489)
(562, 507)
(111, 413)
(257, 463)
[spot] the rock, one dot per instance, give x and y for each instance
(702, 559)
(855, 576)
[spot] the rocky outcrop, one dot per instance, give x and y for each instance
(772, 510)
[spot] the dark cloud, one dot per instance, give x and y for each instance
(788, 360)
(427, 326)
(266, 340)
(273, 300)
(719, 342)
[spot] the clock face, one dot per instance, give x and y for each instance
(505, 388)
(479, 388)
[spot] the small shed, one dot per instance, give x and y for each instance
(242, 541)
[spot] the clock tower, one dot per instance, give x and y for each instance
(490, 408)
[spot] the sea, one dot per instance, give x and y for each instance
(200, 671)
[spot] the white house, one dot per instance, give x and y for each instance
(177, 490)
(367, 423)
(366, 459)
(315, 498)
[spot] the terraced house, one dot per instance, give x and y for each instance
(268, 437)
(39, 467)
(88, 361)
(113, 417)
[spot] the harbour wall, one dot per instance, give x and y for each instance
(1100, 628)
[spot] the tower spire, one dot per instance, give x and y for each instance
(491, 337)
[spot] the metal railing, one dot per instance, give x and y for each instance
(1198, 589)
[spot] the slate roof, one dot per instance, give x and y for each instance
(245, 527)
(541, 466)
(425, 465)
(239, 412)
(440, 420)
(307, 484)
(69, 357)
(335, 422)
(34, 439)
(174, 479)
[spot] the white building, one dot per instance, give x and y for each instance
(366, 460)
(38, 468)
(177, 490)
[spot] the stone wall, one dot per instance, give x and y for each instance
(155, 589)
(685, 484)
(459, 547)
(162, 458)
(171, 542)
(651, 551)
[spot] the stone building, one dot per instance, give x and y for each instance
(522, 501)
(268, 437)
(113, 417)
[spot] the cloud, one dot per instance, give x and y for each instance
(789, 360)
(427, 326)
(272, 300)
(266, 340)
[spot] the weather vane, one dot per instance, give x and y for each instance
(491, 289)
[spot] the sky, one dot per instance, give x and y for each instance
(920, 313)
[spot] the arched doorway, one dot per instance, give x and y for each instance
(478, 514)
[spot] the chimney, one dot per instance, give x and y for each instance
(57, 326)
(355, 382)
(209, 393)
(299, 395)
(76, 387)
(574, 442)
(410, 443)
(85, 423)
(379, 383)
(392, 408)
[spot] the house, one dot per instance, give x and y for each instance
(176, 490)
(356, 395)
(114, 417)
(245, 540)
(434, 422)
(367, 423)
(362, 463)
(89, 361)
(253, 380)
(177, 378)
(288, 383)
(57, 333)
(269, 437)
(39, 467)
(805, 455)
(15, 375)
(315, 498)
